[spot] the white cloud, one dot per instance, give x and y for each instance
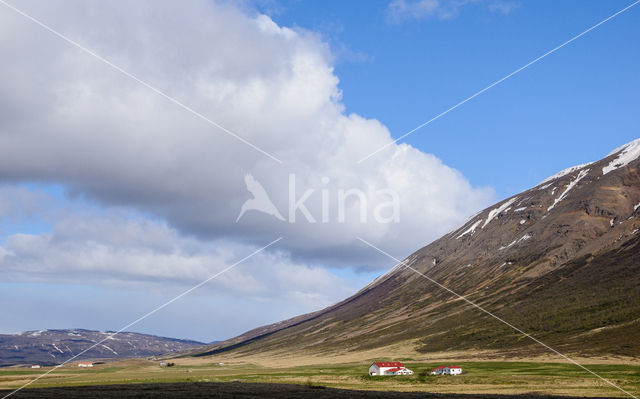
(17, 202)
(504, 7)
(100, 269)
(69, 119)
(399, 10)
(118, 249)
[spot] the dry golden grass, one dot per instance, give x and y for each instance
(485, 373)
(403, 350)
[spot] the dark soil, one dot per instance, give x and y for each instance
(234, 390)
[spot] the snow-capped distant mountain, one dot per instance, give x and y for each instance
(51, 347)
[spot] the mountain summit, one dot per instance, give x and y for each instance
(560, 261)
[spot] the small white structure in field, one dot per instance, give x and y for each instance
(389, 368)
(447, 370)
(85, 364)
(35, 366)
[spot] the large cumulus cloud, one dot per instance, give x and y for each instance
(69, 119)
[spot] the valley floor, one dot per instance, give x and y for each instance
(145, 378)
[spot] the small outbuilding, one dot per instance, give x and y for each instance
(388, 368)
(447, 370)
(85, 364)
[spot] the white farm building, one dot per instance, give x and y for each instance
(389, 368)
(447, 370)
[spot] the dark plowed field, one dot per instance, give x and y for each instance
(233, 390)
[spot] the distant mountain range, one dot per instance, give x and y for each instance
(560, 261)
(51, 347)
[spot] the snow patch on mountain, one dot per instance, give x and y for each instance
(495, 212)
(628, 153)
(523, 238)
(58, 349)
(507, 246)
(562, 173)
(114, 352)
(622, 147)
(575, 181)
(471, 229)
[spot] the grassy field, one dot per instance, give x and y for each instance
(478, 377)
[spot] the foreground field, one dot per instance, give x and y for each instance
(507, 378)
(233, 390)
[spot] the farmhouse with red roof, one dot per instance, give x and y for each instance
(389, 368)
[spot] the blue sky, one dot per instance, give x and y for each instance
(113, 200)
(572, 107)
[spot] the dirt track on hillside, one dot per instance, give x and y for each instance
(235, 390)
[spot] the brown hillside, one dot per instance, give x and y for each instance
(560, 261)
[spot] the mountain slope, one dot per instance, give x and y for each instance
(560, 261)
(51, 347)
